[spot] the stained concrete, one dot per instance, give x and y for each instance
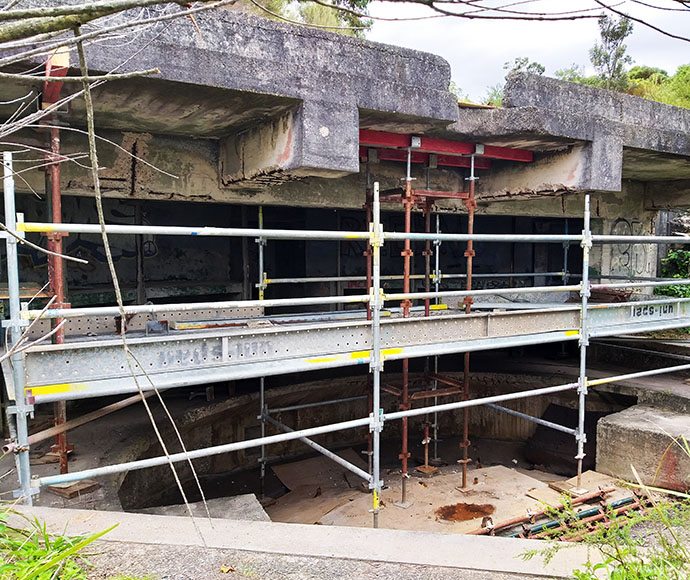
(642, 437)
(237, 507)
(498, 555)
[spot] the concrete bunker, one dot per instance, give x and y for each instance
(569, 187)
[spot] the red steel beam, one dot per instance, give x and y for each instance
(417, 157)
(387, 140)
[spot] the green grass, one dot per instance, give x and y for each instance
(30, 552)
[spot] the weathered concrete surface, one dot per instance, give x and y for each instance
(498, 555)
(601, 136)
(642, 436)
(236, 507)
(238, 71)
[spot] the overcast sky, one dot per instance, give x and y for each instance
(477, 50)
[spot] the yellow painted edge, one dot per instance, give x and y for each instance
(390, 351)
(438, 307)
(54, 389)
(322, 360)
(572, 332)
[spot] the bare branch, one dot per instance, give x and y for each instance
(108, 77)
(21, 240)
(643, 22)
(98, 8)
(123, 26)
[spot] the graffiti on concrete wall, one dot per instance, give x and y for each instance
(630, 259)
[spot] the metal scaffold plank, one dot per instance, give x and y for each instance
(85, 369)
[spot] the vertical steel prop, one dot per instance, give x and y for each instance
(407, 254)
(470, 204)
(583, 341)
(368, 201)
(56, 275)
(262, 381)
(56, 66)
(18, 412)
(437, 287)
(376, 363)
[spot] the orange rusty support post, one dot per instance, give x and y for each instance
(427, 255)
(408, 202)
(471, 205)
(56, 65)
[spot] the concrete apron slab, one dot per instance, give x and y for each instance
(393, 546)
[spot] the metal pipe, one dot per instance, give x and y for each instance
(280, 438)
(395, 296)
(56, 277)
(332, 456)
(146, 308)
(583, 341)
(536, 420)
(315, 279)
(19, 419)
(122, 229)
(478, 402)
(405, 306)
(638, 375)
(672, 281)
(437, 285)
(566, 248)
(376, 363)
(261, 241)
(262, 417)
(198, 453)
(471, 205)
(612, 239)
(318, 404)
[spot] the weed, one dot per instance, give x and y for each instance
(35, 554)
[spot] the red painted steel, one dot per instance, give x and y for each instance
(383, 139)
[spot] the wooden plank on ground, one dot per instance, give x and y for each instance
(319, 471)
(307, 504)
(72, 489)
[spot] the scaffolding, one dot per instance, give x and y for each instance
(96, 366)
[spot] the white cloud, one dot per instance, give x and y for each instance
(477, 50)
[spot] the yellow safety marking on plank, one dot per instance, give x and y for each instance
(322, 360)
(354, 355)
(54, 389)
(438, 307)
(389, 351)
(572, 332)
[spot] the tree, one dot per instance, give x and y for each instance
(523, 64)
(609, 57)
(494, 95)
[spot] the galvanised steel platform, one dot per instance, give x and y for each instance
(88, 366)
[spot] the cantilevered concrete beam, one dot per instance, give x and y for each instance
(588, 139)
(285, 101)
